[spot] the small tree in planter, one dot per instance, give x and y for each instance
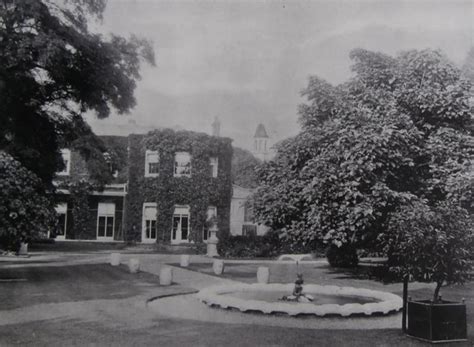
(432, 245)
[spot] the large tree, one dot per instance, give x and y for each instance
(244, 168)
(53, 68)
(396, 134)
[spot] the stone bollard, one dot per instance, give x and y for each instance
(218, 266)
(23, 249)
(263, 274)
(115, 259)
(185, 260)
(166, 276)
(134, 265)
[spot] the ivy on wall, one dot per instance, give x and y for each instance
(81, 184)
(198, 191)
(79, 192)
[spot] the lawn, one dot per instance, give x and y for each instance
(26, 286)
(116, 314)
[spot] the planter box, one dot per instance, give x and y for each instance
(440, 322)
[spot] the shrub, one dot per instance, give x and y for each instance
(343, 256)
(25, 211)
(265, 246)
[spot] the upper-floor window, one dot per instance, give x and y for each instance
(66, 154)
(151, 163)
(182, 164)
(110, 163)
(214, 162)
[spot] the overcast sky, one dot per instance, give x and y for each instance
(246, 61)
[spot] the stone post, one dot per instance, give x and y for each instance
(115, 259)
(166, 276)
(263, 274)
(134, 265)
(184, 260)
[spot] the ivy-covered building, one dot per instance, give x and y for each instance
(167, 187)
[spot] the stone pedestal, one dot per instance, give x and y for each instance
(166, 276)
(263, 274)
(218, 266)
(134, 265)
(184, 260)
(115, 259)
(23, 249)
(212, 243)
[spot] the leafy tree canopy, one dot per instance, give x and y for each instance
(396, 134)
(468, 66)
(244, 168)
(53, 68)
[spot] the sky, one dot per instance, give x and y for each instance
(246, 62)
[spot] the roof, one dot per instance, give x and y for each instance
(260, 132)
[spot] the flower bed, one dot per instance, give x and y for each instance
(387, 302)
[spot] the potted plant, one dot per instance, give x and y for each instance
(432, 244)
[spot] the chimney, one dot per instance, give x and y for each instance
(216, 127)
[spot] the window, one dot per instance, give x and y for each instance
(180, 229)
(61, 210)
(105, 220)
(248, 212)
(149, 222)
(249, 230)
(211, 212)
(182, 164)
(151, 163)
(214, 161)
(110, 163)
(66, 154)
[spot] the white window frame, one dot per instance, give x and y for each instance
(177, 212)
(107, 215)
(205, 232)
(144, 220)
(214, 162)
(178, 169)
(149, 153)
(61, 208)
(66, 155)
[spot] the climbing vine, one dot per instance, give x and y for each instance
(79, 192)
(198, 191)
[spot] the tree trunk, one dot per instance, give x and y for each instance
(436, 292)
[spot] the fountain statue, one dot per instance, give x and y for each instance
(298, 295)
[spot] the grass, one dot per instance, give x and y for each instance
(135, 326)
(26, 286)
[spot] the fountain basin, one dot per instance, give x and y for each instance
(264, 298)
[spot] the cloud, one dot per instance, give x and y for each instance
(247, 61)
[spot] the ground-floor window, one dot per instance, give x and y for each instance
(61, 210)
(181, 224)
(149, 232)
(249, 230)
(211, 212)
(105, 220)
